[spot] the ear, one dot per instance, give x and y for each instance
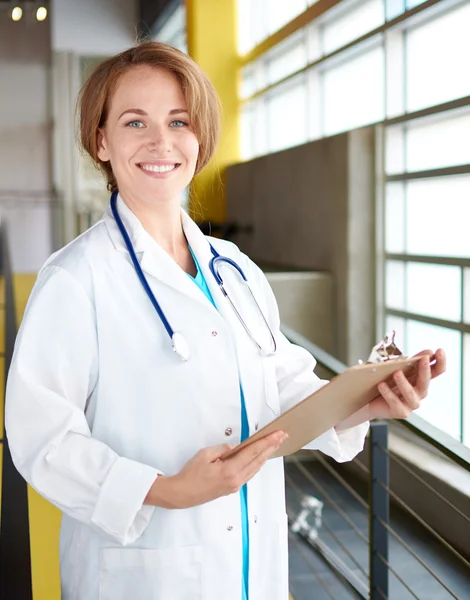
(102, 145)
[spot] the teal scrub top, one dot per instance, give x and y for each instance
(200, 281)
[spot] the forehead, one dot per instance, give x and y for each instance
(145, 87)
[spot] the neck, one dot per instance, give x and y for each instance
(162, 222)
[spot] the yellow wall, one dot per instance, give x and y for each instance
(212, 42)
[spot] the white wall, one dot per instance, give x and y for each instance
(93, 27)
(25, 125)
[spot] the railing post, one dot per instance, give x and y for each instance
(379, 511)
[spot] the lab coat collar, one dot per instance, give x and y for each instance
(154, 260)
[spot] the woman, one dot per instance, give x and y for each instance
(120, 432)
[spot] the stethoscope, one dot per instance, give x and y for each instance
(178, 341)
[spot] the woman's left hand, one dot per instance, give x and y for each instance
(406, 398)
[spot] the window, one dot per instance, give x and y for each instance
(353, 92)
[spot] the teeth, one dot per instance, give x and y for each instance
(157, 168)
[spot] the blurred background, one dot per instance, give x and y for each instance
(344, 171)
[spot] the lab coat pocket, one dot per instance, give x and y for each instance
(148, 574)
(270, 384)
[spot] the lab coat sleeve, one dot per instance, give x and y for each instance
(296, 380)
(53, 372)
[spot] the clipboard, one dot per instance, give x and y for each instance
(337, 400)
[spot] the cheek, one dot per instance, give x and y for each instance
(192, 149)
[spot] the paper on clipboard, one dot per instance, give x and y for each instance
(337, 400)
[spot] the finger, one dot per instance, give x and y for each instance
(424, 377)
(212, 453)
(250, 452)
(439, 366)
(429, 353)
(407, 393)
(397, 409)
(255, 465)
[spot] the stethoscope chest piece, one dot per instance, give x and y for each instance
(180, 346)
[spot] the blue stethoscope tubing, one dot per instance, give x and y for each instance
(179, 343)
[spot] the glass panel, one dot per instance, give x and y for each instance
(354, 93)
(286, 58)
(248, 81)
(437, 216)
(398, 325)
(281, 12)
(395, 72)
(247, 124)
(412, 3)
(395, 217)
(466, 297)
(287, 116)
(313, 41)
(466, 393)
(393, 8)
(435, 71)
(434, 290)
(438, 143)
(394, 150)
(442, 406)
(395, 284)
(350, 25)
(314, 103)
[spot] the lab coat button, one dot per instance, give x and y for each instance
(229, 528)
(228, 431)
(214, 333)
(255, 518)
(256, 426)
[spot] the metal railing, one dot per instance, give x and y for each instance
(376, 575)
(15, 558)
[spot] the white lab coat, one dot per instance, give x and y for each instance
(98, 405)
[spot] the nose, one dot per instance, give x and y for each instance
(160, 140)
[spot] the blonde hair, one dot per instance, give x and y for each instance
(201, 98)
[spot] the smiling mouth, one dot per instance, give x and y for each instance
(158, 168)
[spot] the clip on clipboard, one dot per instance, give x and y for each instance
(337, 400)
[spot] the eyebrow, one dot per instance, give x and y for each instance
(139, 111)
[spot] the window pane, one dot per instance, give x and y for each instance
(281, 12)
(395, 72)
(466, 395)
(286, 58)
(354, 93)
(442, 406)
(398, 325)
(466, 297)
(438, 143)
(345, 28)
(437, 216)
(247, 124)
(395, 284)
(437, 60)
(394, 150)
(248, 82)
(433, 290)
(393, 8)
(286, 116)
(395, 217)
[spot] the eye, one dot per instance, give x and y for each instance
(135, 124)
(178, 123)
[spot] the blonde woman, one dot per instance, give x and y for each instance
(133, 373)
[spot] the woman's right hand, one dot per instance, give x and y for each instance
(206, 477)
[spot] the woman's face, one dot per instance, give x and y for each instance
(148, 138)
